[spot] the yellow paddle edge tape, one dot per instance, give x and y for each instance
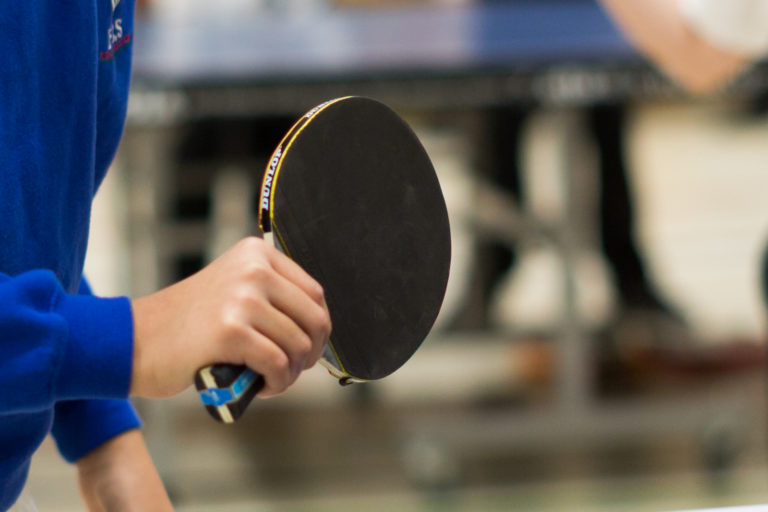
(268, 187)
(272, 172)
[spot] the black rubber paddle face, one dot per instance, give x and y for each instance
(356, 202)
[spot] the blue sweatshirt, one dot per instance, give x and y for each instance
(65, 355)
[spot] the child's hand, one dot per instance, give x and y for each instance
(252, 305)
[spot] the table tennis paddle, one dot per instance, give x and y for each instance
(351, 195)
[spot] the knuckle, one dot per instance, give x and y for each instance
(308, 354)
(303, 347)
(275, 367)
(317, 292)
(278, 365)
(327, 324)
(231, 326)
(322, 322)
(251, 242)
(247, 298)
(257, 272)
(240, 295)
(251, 249)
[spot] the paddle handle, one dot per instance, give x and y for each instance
(226, 390)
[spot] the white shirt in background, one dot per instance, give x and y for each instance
(736, 26)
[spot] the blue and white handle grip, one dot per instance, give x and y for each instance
(226, 390)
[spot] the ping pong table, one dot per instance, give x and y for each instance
(422, 57)
(555, 51)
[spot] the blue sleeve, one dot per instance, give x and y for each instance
(80, 426)
(56, 346)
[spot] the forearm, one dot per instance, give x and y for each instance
(120, 476)
(658, 29)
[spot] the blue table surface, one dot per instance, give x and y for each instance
(377, 42)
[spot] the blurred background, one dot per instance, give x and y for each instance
(601, 345)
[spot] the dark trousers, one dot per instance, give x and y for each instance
(501, 165)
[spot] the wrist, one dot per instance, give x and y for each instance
(140, 334)
(149, 322)
(120, 476)
(104, 461)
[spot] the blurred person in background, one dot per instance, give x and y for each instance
(69, 359)
(638, 300)
(637, 296)
(701, 45)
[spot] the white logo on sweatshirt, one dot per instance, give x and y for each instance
(115, 33)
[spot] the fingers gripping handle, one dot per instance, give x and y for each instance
(226, 390)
